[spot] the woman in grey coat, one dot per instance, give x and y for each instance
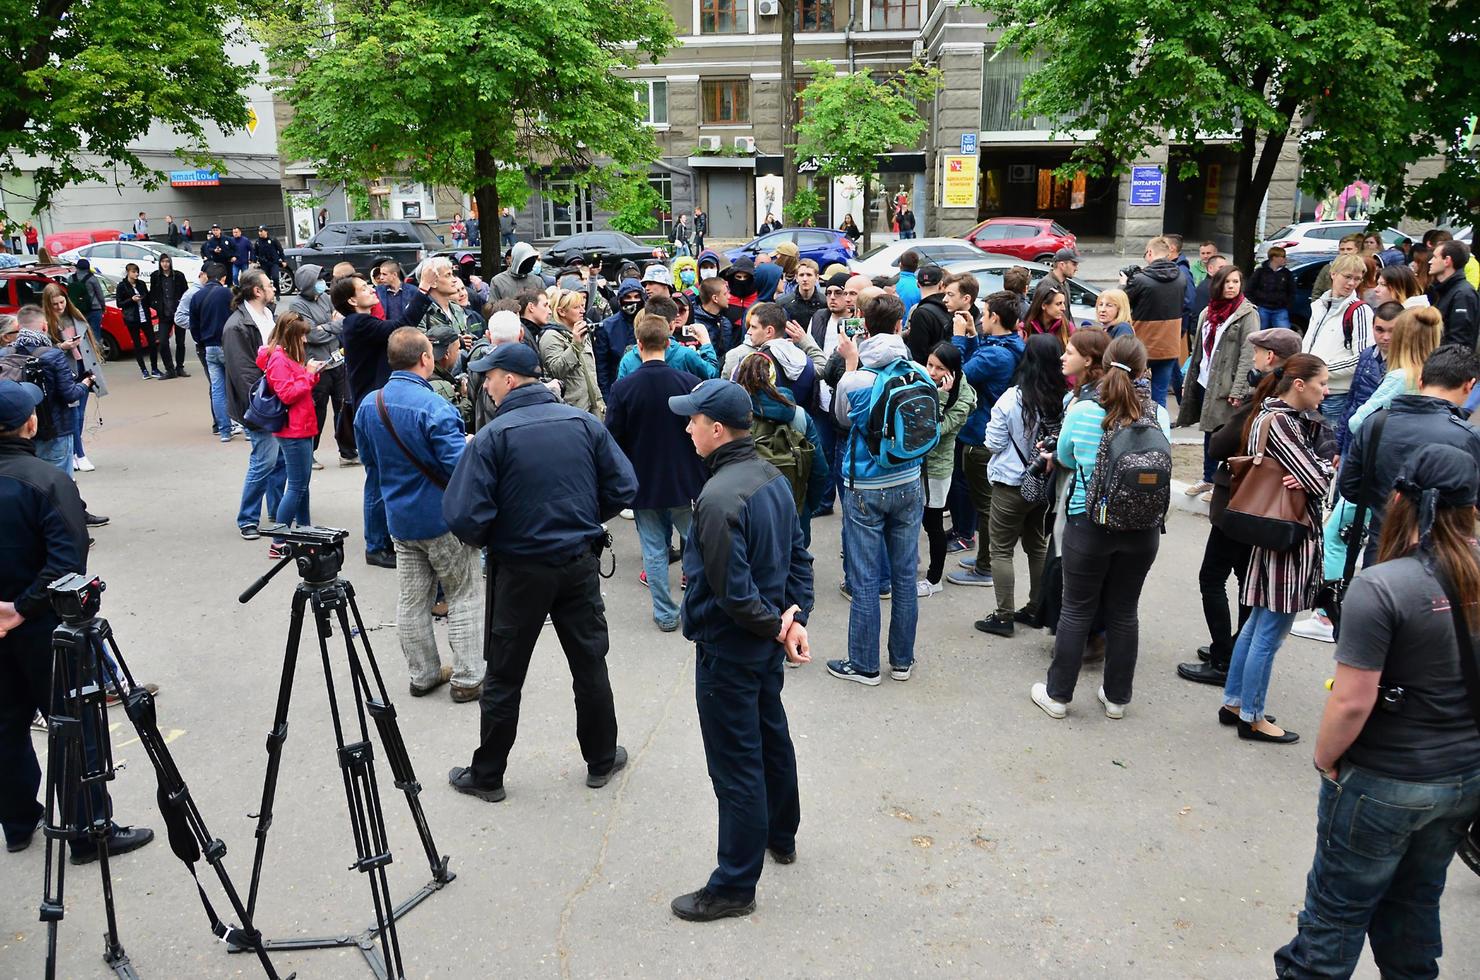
(1217, 376)
(68, 330)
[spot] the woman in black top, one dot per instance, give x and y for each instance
(166, 286)
(1399, 747)
(132, 297)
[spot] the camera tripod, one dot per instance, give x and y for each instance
(81, 671)
(319, 555)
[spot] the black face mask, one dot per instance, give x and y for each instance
(631, 308)
(742, 286)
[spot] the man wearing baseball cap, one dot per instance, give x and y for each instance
(534, 487)
(1064, 264)
(746, 608)
(43, 536)
(657, 281)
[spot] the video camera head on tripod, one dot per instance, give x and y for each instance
(77, 597)
(317, 551)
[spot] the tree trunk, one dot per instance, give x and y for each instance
(788, 102)
(868, 225)
(490, 247)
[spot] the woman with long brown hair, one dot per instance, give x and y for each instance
(1280, 583)
(291, 375)
(68, 330)
(1084, 362)
(1398, 284)
(1104, 569)
(1048, 313)
(1222, 357)
(1398, 750)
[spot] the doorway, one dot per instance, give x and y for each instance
(728, 215)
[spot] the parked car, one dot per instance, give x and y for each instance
(614, 247)
(61, 241)
(822, 245)
(988, 273)
(1304, 267)
(361, 242)
(1321, 237)
(883, 259)
(23, 286)
(112, 258)
(1034, 239)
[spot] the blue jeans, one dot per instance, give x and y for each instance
(1253, 660)
(57, 452)
(267, 473)
(377, 531)
(1334, 411)
(888, 521)
(906, 235)
(79, 417)
(216, 372)
(1161, 379)
(1269, 318)
(1383, 847)
(653, 530)
(832, 447)
(296, 455)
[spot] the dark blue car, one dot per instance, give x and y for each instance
(1304, 267)
(822, 245)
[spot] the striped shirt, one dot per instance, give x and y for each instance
(1079, 444)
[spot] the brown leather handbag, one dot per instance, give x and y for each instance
(1262, 511)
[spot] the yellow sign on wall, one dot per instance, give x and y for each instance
(958, 182)
(251, 121)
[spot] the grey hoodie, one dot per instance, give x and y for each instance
(520, 274)
(323, 337)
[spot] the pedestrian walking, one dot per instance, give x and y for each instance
(187, 234)
(534, 488)
(957, 401)
(209, 310)
(242, 338)
(679, 237)
(141, 227)
(167, 287)
(68, 332)
(171, 232)
(217, 249)
(746, 609)
(411, 439)
(701, 228)
(291, 376)
(1157, 294)
(458, 229)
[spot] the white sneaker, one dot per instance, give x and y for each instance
(1052, 708)
(627, 515)
(83, 464)
(924, 589)
(1112, 710)
(1314, 629)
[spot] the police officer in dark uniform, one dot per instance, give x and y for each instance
(749, 594)
(534, 488)
(42, 537)
(268, 254)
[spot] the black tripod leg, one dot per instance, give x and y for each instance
(63, 754)
(275, 739)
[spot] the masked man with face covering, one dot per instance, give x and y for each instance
(617, 333)
(522, 274)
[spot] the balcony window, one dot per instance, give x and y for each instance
(652, 101)
(894, 15)
(724, 16)
(726, 101)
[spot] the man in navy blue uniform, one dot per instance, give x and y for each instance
(750, 592)
(534, 487)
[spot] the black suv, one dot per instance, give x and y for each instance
(359, 242)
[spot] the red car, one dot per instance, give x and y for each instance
(22, 286)
(64, 241)
(1033, 239)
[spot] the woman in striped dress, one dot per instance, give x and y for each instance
(1280, 583)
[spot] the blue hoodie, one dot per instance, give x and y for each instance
(767, 278)
(989, 363)
(615, 334)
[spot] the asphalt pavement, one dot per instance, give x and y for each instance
(949, 827)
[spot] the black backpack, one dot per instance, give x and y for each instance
(15, 366)
(1130, 488)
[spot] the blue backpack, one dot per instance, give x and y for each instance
(902, 421)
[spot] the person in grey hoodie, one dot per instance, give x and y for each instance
(522, 274)
(312, 301)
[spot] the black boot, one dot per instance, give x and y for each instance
(1204, 673)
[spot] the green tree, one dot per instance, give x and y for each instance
(1368, 89)
(88, 79)
(848, 120)
(464, 92)
(802, 205)
(634, 204)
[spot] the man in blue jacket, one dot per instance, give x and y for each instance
(209, 309)
(616, 333)
(410, 439)
(989, 362)
(746, 609)
(241, 250)
(534, 488)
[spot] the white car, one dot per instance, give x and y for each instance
(112, 258)
(1320, 236)
(988, 272)
(883, 260)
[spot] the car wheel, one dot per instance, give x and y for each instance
(285, 281)
(110, 346)
(1046, 258)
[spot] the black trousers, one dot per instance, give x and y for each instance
(1104, 571)
(335, 392)
(1222, 556)
(143, 337)
(524, 594)
(162, 340)
(752, 764)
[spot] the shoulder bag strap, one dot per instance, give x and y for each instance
(1467, 665)
(1369, 474)
(426, 471)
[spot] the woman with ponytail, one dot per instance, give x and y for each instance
(1398, 750)
(1103, 568)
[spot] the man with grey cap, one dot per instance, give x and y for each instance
(746, 609)
(446, 349)
(657, 281)
(1064, 264)
(534, 488)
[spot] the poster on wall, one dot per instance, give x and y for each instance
(847, 199)
(958, 186)
(301, 209)
(1211, 189)
(767, 199)
(992, 190)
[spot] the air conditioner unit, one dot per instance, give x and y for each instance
(768, 8)
(709, 144)
(745, 144)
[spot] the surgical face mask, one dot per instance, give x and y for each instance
(534, 270)
(707, 272)
(630, 307)
(686, 276)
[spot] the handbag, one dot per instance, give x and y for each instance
(265, 410)
(1262, 511)
(1036, 488)
(1469, 842)
(1332, 594)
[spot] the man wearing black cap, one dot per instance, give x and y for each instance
(42, 537)
(930, 322)
(534, 488)
(746, 608)
(268, 254)
(1065, 264)
(217, 249)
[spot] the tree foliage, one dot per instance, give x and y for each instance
(848, 120)
(805, 204)
(460, 92)
(1369, 88)
(634, 204)
(85, 80)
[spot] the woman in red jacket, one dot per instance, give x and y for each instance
(292, 376)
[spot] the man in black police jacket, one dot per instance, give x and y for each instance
(750, 591)
(42, 538)
(533, 488)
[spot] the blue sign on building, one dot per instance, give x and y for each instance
(968, 143)
(194, 178)
(1146, 186)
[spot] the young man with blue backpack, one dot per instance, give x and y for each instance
(889, 413)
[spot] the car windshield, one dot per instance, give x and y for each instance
(1284, 232)
(874, 251)
(171, 250)
(427, 236)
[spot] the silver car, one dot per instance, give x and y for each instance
(988, 272)
(1321, 236)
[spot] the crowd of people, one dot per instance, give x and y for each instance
(726, 406)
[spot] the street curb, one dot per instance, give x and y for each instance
(1182, 502)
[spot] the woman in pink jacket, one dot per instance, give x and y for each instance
(284, 360)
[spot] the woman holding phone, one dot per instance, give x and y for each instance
(292, 375)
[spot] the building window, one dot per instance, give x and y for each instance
(565, 208)
(663, 184)
(814, 15)
(724, 16)
(1002, 92)
(727, 101)
(894, 15)
(652, 99)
